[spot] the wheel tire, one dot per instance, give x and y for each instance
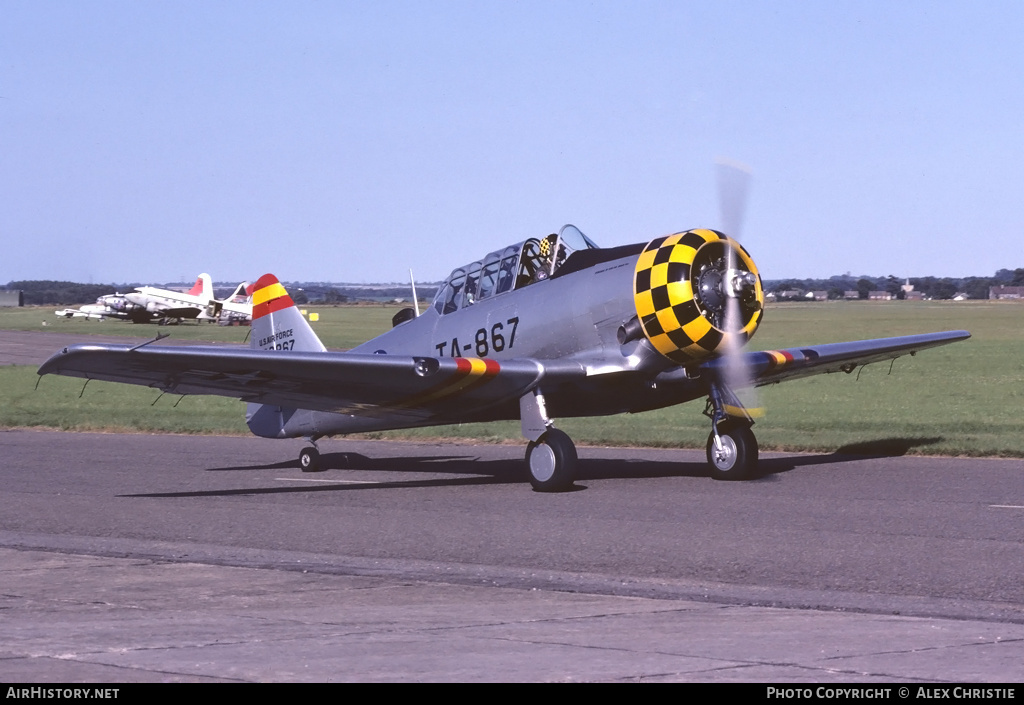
(551, 461)
(309, 460)
(737, 460)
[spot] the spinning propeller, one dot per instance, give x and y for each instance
(698, 299)
(737, 289)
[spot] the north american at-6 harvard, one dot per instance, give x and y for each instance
(547, 328)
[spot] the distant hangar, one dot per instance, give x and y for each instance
(10, 298)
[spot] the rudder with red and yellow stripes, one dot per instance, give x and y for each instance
(276, 323)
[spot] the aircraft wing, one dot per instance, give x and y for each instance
(770, 366)
(413, 387)
(181, 312)
(418, 387)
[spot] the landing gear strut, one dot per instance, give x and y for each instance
(551, 455)
(731, 447)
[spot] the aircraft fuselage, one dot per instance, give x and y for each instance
(573, 318)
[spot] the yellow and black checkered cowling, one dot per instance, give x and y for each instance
(669, 303)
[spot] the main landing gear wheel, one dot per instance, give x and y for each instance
(737, 458)
(309, 460)
(551, 460)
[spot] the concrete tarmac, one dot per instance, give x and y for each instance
(102, 583)
(156, 616)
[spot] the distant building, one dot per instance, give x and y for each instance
(851, 295)
(818, 295)
(10, 298)
(1006, 292)
(914, 296)
(879, 296)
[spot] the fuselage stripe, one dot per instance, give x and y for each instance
(470, 372)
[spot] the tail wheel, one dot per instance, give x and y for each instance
(309, 460)
(551, 460)
(736, 459)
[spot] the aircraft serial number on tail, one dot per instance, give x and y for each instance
(483, 341)
(280, 340)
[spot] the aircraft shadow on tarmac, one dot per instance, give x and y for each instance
(511, 470)
(865, 450)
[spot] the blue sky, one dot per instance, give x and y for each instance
(350, 141)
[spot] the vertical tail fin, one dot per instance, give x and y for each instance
(241, 292)
(276, 323)
(203, 287)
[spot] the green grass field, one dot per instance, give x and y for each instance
(340, 327)
(962, 399)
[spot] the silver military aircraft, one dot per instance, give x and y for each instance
(545, 328)
(109, 306)
(148, 303)
(198, 302)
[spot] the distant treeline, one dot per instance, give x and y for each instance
(48, 292)
(931, 287)
(60, 293)
(335, 294)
